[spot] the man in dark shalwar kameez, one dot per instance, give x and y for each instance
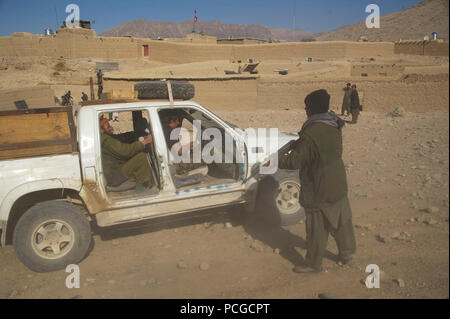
(318, 157)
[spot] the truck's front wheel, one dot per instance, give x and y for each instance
(52, 235)
(278, 198)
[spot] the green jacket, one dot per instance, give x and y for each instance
(347, 97)
(318, 157)
(116, 153)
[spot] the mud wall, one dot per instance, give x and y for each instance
(429, 95)
(414, 94)
(79, 44)
(432, 48)
(376, 70)
(71, 46)
(211, 93)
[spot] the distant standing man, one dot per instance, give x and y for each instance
(318, 157)
(355, 106)
(100, 83)
(346, 101)
(84, 97)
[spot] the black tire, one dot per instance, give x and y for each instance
(268, 193)
(158, 90)
(74, 226)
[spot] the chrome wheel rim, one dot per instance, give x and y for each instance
(287, 200)
(53, 239)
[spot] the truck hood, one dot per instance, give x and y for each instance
(260, 149)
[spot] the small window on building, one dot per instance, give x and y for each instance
(145, 50)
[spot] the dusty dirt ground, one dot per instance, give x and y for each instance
(399, 191)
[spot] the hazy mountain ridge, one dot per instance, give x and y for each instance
(153, 29)
(412, 23)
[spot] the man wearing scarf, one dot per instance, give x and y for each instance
(318, 157)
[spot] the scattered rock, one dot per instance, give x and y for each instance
(204, 266)
(90, 280)
(257, 247)
(228, 225)
(326, 295)
(175, 230)
(400, 282)
(399, 111)
(115, 242)
(432, 209)
(430, 221)
(401, 236)
(276, 251)
(364, 226)
(152, 281)
(384, 239)
(419, 219)
(181, 265)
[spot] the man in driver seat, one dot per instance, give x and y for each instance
(122, 161)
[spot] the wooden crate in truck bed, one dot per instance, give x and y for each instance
(37, 132)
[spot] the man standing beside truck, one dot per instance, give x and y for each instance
(355, 106)
(318, 156)
(100, 83)
(122, 161)
(346, 100)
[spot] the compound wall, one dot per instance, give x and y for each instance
(84, 44)
(433, 48)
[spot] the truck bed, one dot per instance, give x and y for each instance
(37, 132)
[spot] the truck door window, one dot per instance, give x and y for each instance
(186, 121)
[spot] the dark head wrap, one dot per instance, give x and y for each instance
(318, 102)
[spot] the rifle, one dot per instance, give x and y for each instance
(288, 146)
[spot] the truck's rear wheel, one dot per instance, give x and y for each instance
(51, 235)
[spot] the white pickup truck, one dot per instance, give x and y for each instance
(49, 199)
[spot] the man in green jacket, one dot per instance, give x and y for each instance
(346, 101)
(122, 161)
(318, 157)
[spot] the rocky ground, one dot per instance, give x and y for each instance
(399, 191)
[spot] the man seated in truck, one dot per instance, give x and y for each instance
(123, 162)
(170, 122)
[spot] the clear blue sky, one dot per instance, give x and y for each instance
(312, 15)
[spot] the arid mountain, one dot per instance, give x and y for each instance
(412, 23)
(153, 29)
